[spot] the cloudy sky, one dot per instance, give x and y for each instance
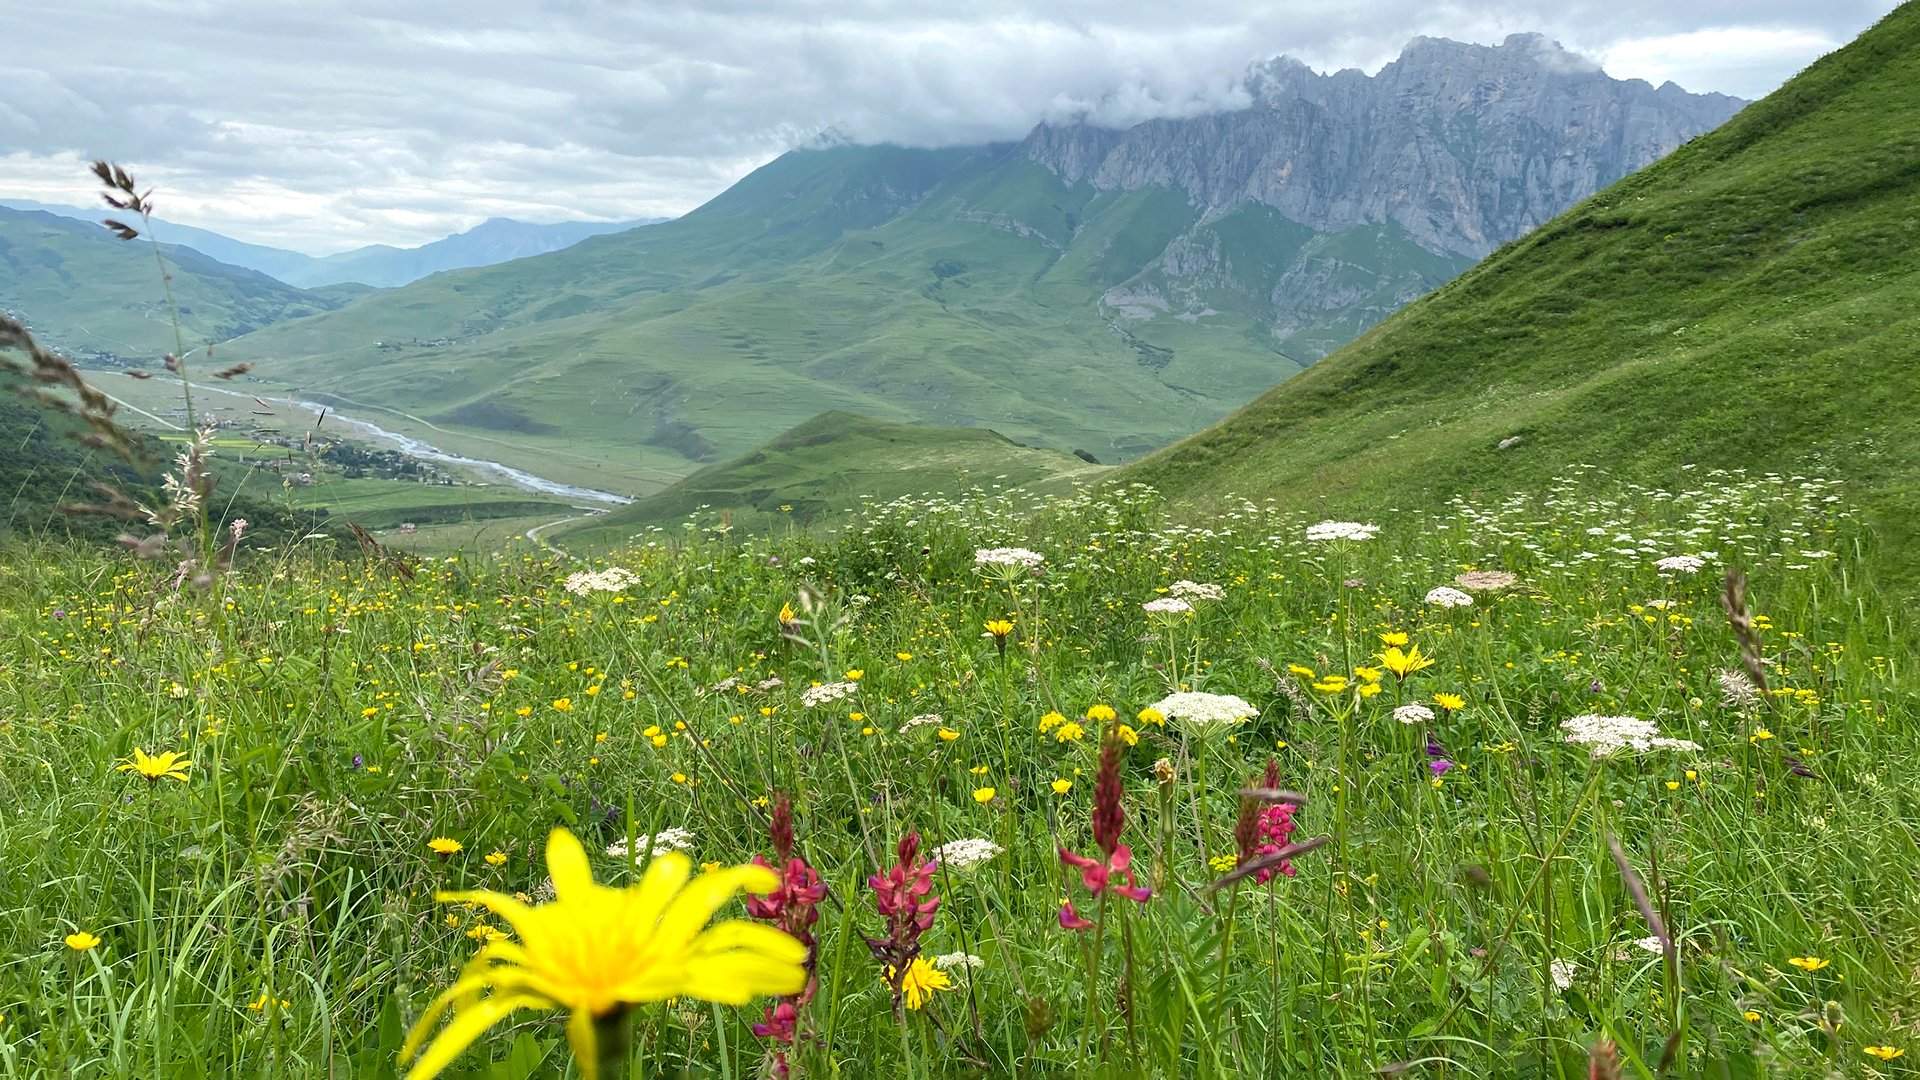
(323, 126)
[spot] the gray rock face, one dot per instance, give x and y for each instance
(1463, 147)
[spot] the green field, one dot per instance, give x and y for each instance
(362, 735)
(821, 471)
(1752, 301)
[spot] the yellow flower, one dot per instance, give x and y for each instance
(444, 846)
(1051, 720)
(921, 980)
(1393, 638)
(1127, 735)
(1068, 732)
(903, 656)
(1151, 715)
(1368, 690)
(1367, 674)
(81, 941)
(1303, 671)
(856, 674)
(496, 858)
(1808, 963)
(596, 950)
(563, 704)
(1100, 714)
(1884, 1053)
(167, 766)
(1750, 1016)
(1760, 735)
(947, 734)
(999, 627)
(1450, 702)
(1331, 684)
(1403, 664)
(983, 795)
(1061, 785)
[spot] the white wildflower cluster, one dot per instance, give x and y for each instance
(826, 693)
(967, 854)
(1611, 734)
(1166, 605)
(1449, 597)
(1007, 556)
(1486, 580)
(1563, 972)
(1341, 530)
(612, 579)
(957, 961)
(1680, 564)
(1737, 690)
(1195, 590)
(1205, 710)
(923, 720)
(674, 839)
(1413, 714)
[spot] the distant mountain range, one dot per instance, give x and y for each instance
(1085, 288)
(1751, 302)
(495, 240)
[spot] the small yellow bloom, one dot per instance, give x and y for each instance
(156, 767)
(1062, 785)
(1450, 702)
(999, 628)
(1750, 1016)
(1367, 674)
(496, 858)
(1303, 671)
(1403, 664)
(1151, 715)
(856, 674)
(1760, 735)
(1100, 714)
(1331, 684)
(1068, 732)
(903, 656)
(1393, 638)
(947, 734)
(1808, 963)
(1051, 720)
(1127, 735)
(983, 795)
(444, 846)
(81, 941)
(1673, 785)
(1884, 1053)
(563, 704)
(920, 981)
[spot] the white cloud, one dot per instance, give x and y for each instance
(324, 126)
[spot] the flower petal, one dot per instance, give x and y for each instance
(468, 1025)
(567, 863)
(585, 1042)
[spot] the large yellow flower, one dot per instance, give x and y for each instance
(596, 950)
(1403, 664)
(168, 766)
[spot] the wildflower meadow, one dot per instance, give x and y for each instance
(1595, 780)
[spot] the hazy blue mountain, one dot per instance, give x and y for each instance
(495, 240)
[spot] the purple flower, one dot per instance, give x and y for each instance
(1439, 766)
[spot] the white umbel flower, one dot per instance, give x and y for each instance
(1606, 735)
(1166, 605)
(674, 839)
(826, 693)
(963, 961)
(1341, 530)
(612, 579)
(1448, 597)
(1205, 710)
(1680, 564)
(967, 854)
(1413, 714)
(1007, 556)
(1562, 972)
(923, 720)
(1195, 590)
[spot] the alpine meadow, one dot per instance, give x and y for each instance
(1038, 543)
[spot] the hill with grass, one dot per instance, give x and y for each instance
(97, 297)
(827, 466)
(1109, 291)
(1751, 302)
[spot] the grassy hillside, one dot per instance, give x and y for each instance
(829, 465)
(90, 294)
(958, 287)
(1752, 302)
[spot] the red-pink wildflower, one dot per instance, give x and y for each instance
(1114, 872)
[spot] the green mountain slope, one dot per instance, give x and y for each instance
(1752, 301)
(829, 465)
(95, 296)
